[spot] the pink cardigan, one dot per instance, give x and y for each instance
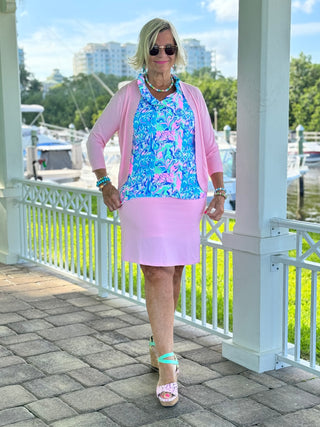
(118, 116)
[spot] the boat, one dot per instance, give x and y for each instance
(228, 157)
(311, 149)
(45, 156)
(296, 167)
(112, 160)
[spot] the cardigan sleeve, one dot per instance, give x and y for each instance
(105, 127)
(212, 153)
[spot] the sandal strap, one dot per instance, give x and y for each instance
(171, 388)
(163, 359)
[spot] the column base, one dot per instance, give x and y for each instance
(257, 362)
(6, 258)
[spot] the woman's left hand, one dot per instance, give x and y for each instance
(215, 209)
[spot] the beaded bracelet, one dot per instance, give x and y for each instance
(221, 189)
(219, 193)
(102, 182)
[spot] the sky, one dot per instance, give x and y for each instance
(50, 32)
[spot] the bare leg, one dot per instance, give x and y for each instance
(159, 292)
(177, 283)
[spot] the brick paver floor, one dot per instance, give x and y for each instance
(70, 358)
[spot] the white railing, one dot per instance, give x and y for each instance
(311, 136)
(69, 229)
(300, 298)
(292, 137)
(66, 134)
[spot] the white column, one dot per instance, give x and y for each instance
(11, 165)
(262, 129)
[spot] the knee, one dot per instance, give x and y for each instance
(157, 274)
(178, 274)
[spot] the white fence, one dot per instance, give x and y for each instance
(312, 136)
(292, 136)
(300, 296)
(70, 230)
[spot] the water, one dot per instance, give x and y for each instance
(308, 209)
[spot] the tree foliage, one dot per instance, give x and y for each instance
(78, 100)
(219, 92)
(31, 88)
(304, 106)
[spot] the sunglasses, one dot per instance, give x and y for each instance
(168, 48)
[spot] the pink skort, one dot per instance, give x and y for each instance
(161, 231)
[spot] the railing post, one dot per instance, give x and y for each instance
(227, 130)
(300, 138)
(71, 127)
(11, 163)
(102, 249)
(76, 155)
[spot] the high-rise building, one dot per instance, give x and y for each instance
(112, 58)
(197, 55)
(54, 79)
(107, 58)
(127, 51)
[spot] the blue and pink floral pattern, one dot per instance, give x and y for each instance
(163, 160)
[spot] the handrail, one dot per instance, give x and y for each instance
(70, 230)
(302, 292)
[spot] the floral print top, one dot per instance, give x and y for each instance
(163, 160)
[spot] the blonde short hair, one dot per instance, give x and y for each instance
(147, 38)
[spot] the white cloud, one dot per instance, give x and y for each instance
(44, 52)
(305, 6)
(225, 10)
(54, 46)
(306, 29)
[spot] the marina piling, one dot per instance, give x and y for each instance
(300, 139)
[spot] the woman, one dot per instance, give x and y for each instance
(167, 152)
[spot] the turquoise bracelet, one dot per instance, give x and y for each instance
(221, 189)
(103, 181)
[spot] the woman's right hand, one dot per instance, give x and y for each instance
(111, 197)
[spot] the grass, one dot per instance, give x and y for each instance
(67, 252)
(306, 286)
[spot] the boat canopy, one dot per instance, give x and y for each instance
(32, 108)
